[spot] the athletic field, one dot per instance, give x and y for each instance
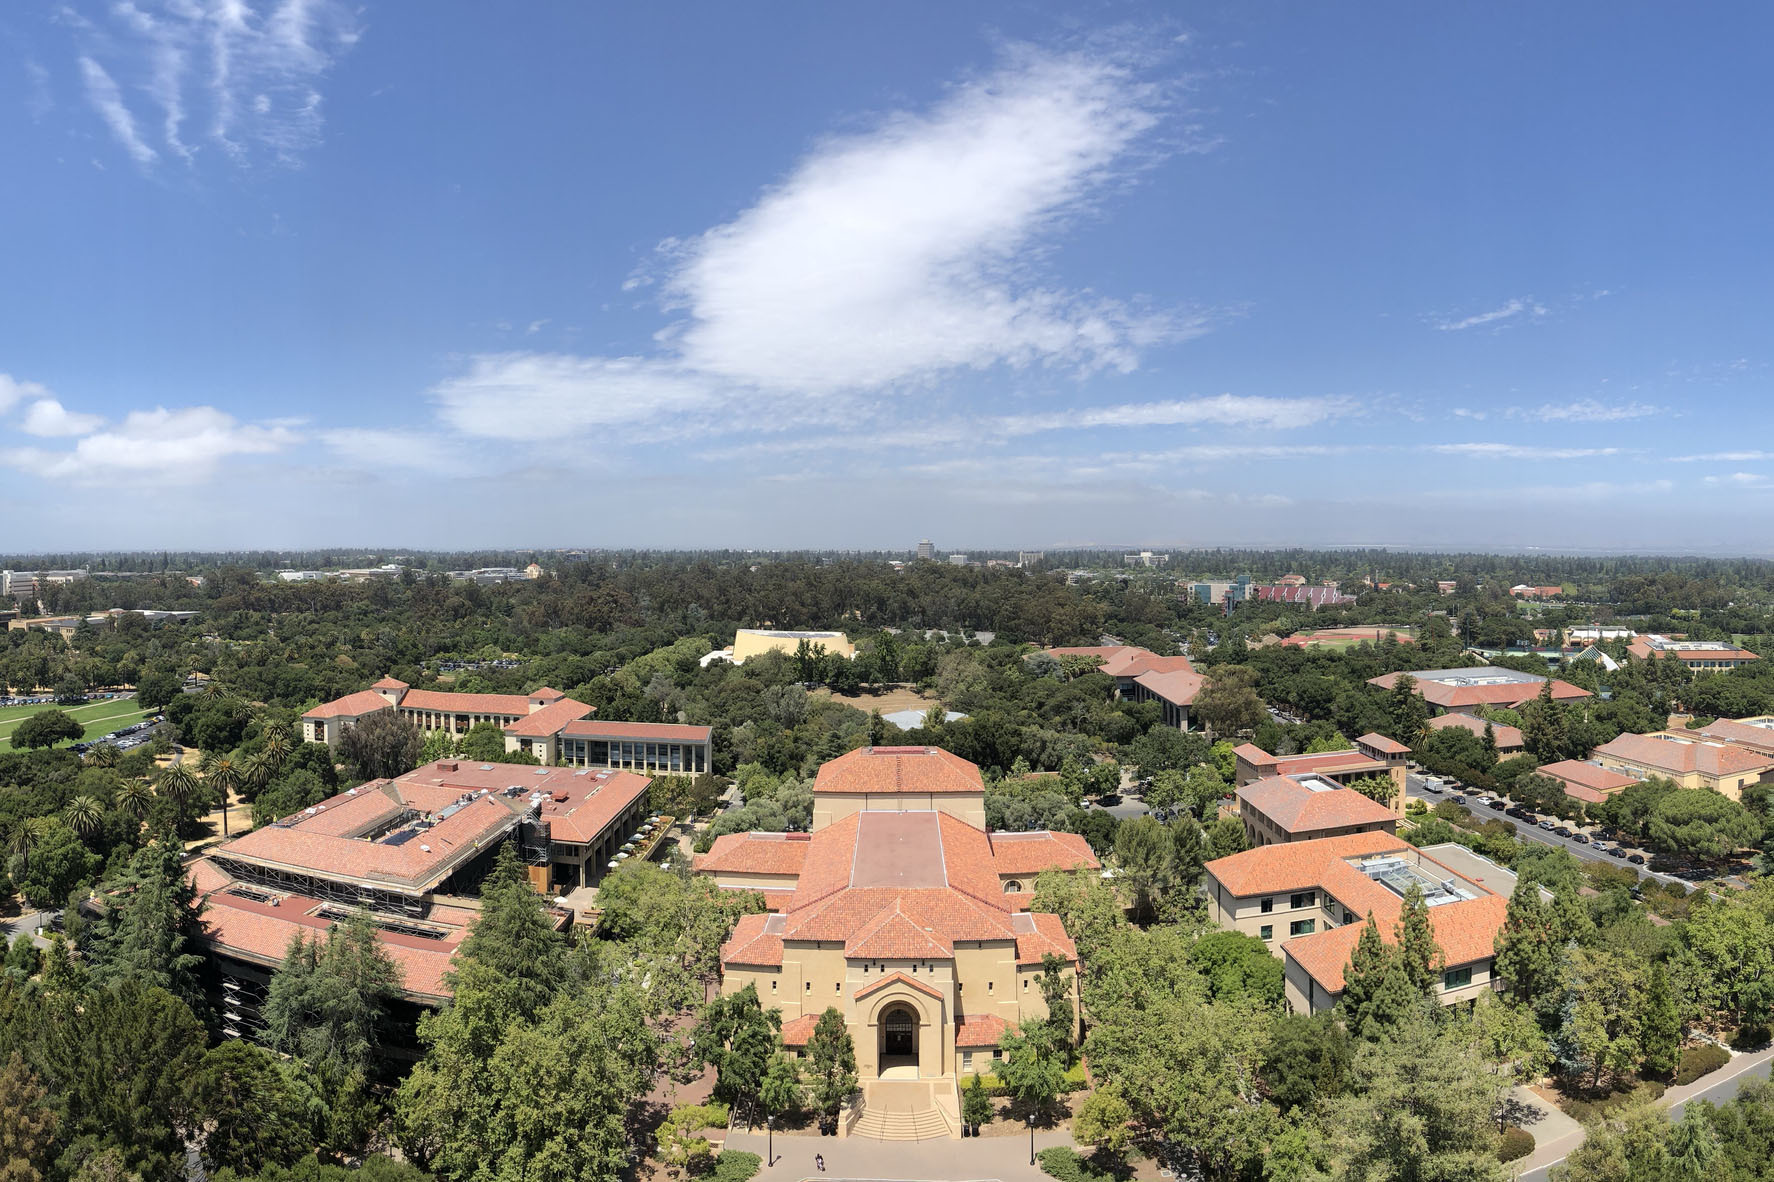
(99, 718)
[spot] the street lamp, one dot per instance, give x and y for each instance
(1031, 1120)
(770, 1140)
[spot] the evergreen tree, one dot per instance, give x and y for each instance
(1660, 1025)
(250, 1114)
(831, 1064)
(27, 1125)
(515, 939)
(1379, 992)
(327, 999)
(1419, 955)
(149, 929)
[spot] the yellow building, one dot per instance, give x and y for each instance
(1691, 760)
(755, 642)
(902, 911)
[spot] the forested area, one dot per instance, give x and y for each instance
(1611, 991)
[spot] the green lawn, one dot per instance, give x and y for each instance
(100, 718)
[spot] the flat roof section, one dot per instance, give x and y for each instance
(899, 850)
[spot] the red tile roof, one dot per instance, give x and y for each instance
(1031, 853)
(752, 944)
(754, 853)
(1644, 647)
(899, 769)
(1510, 693)
(1039, 933)
(350, 706)
(1179, 687)
(453, 703)
(548, 720)
(1683, 756)
(393, 683)
(1743, 731)
(1508, 738)
(1293, 866)
(893, 935)
(1381, 743)
(1592, 778)
(1466, 931)
(797, 1032)
(652, 732)
(1297, 808)
(980, 1030)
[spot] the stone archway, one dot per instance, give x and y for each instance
(899, 1038)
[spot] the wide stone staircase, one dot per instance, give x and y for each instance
(894, 1111)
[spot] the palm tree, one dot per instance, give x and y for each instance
(223, 772)
(133, 798)
(84, 815)
(100, 755)
(178, 783)
(26, 838)
(277, 747)
(255, 772)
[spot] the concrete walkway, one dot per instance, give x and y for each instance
(1718, 1087)
(972, 1159)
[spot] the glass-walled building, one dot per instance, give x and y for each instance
(650, 747)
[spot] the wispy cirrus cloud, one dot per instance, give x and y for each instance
(1742, 481)
(1225, 410)
(249, 71)
(1724, 457)
(1515, 309)
(1583, 410)
(1520, 451)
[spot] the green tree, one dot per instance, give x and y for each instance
(1530, 958)
(976, 1103)
(179, 784)
(1379, 789)
(149, 928)
(484, 742)
(27, 1125)
(738, 1037)
(383, 745)
(514, 937)
(1419, 955)
(1105, 1121)
(1225, 837)
(1307, 1059)
(251, 1114)
(1238, 966)
(1379, 994)
(1033, 1070)
(1228, 702)
(83, 815)
(46, 728)
(831, 1064)
(222, 775)
(780, 1089)
(1660, 1024)
(1702, 824)
(328, 998)
(1406, 709)
(58, 861)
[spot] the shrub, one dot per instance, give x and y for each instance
(1516, 1144)
(736, 1165)
(1585, 1111)
(1076, 1078)
(1068, 1165)
(1701, 1060)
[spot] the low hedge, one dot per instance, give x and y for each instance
(735, 1165)
(1077, 1080)
(1584, 1111)
(1516, 1144)
(1701, 1060)
(1068, 1165)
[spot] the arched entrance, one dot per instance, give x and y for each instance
(899, 1041)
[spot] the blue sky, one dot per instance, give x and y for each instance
(298, 272)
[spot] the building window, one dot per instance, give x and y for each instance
(1302, 927)
(1306, 899)
(772, 987)
(991, 985)
(967, 1061)
(1457, 978)
(1348, 916)
(809, 987)
(1266, 932)
(1268, 906)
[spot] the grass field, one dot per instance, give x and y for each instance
(99, 718)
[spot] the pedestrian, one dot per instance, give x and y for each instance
(819, 1162)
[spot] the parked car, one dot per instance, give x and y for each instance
(1561, 831)
(1499, 805)
(1546, 825)
(1636, 859)
(1615, 852)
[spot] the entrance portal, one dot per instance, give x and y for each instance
(899, 1042)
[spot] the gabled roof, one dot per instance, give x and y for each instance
(390, 683)
(453, 703)
(1508, 738)
(899, 769)
(753, 943)
(1593, 776)
(1031, 853)
(897, 979)
(980, 1030)
(1297, 808)
(893, 935)
(1384, 744)
(653, 732)
(1680, 755)
(755, 853)
(1178, 687)
(1480, 685)
(548, 720)
(351, 706)
(1466, 931)
(798, 1031)
(1745, 732)
(1294, 865)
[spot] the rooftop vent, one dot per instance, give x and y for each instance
(446, 765)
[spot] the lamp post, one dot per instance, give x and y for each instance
(770, 1140)
(1031, 1120)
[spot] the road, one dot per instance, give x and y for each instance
(1530, 830)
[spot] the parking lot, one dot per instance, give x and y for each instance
(1586, 842)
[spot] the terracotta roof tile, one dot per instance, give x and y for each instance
(898, 769)
(515, 705)
(1178, 687)
(1031, 853)
(351, 706)
(651, 732)
(1508, 738)
(1381, 742)
(548, 720)
(1683, 756)
(1297, 808)
(797, 1032)
(1742, 731)
(893, 935)
(1576, 773)
(751, 943)
(390, 683)
(1510, 693)
(980, 1030)
(1293, 866)
(1466, 931)
(755, 853)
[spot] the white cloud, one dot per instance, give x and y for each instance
(1225, 410)
(376, 448)
(14, 390)
(1517, 307)
(1742, 481)
(251, 68)
(1517, 451)
(1586, 410)
(538, 396)
(47, 417)
(157, 446)
(107, 100)
(905, 252)
(1718, 457)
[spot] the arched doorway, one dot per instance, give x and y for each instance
(899, 1041)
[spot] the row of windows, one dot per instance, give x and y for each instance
(1294, 902)
(1299, 927)
(685, 758)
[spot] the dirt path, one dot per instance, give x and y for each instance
(898, 697)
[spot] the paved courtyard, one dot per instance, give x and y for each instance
(853, 1159)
